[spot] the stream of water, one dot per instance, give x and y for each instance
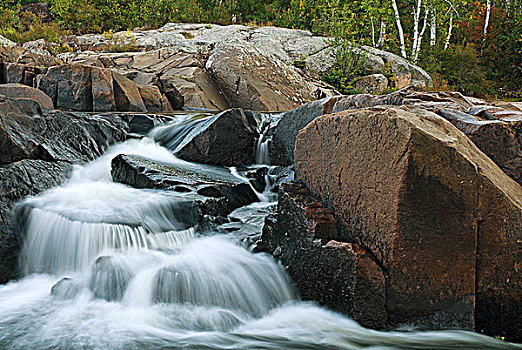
(108, 266)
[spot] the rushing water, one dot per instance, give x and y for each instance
(112, 267)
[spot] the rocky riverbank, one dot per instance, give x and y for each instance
(406, 209)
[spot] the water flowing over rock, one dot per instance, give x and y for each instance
(430, 207)
(37, 152)
(228, 138)
(141, 265)
(216, 189)
(21, 179)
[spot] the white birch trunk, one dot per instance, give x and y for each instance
(382, 34)
(421, 35)
(399, 28)
(450, 29)
(486, 21)
(373, 32)
(433, 27)
(416, 16)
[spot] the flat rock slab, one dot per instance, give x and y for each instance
(439, 216)
(218, 191)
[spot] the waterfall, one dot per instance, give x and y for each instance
(107, 266)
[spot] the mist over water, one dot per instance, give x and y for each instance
(108, 266)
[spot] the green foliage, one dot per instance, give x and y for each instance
(473, 64)
(458, 68)
(28, 27)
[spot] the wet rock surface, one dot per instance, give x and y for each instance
(58, 136)
(228, 138)
(20, 179)
(37, 151)
(429, 206)
(215, 189)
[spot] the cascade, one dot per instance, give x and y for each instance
(107, 266)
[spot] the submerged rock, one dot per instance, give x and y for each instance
(109, 280)
(430, 207)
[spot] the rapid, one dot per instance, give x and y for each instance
(108, 266)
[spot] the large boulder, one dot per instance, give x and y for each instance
(252, 80)
(440, 218)
(281, 147)
(69, 86)
(304, 236)
(20, 179)
(58, 136)
(102, 83)
(24, 92)
(127, 95)
(228, 138)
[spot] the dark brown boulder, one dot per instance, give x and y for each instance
(127, 95)
(341, 275)
(69, 86)
(228, 138)
(24, 92)
(102, 90)
(174, 97)
(153, 99)
(439, 216)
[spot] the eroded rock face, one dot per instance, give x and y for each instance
(431, 208)
(220, 67)
(496, 130)
(69, 86)
(281, 148)
(78, 87)
(228, 138)
(304, 236)
(499, 136)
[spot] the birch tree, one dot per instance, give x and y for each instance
(399, 28)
